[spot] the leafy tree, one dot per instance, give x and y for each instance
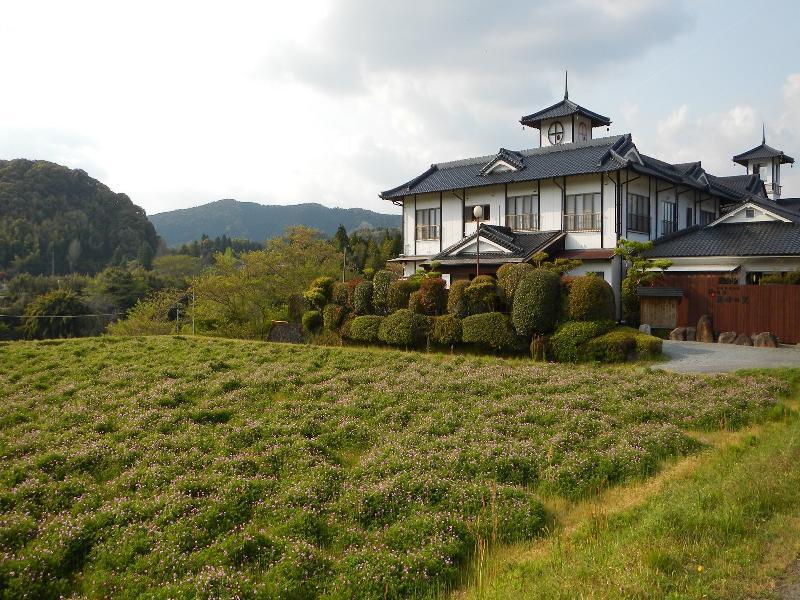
(537, 302)
(641, 272)
(56, 314)
(145, 256)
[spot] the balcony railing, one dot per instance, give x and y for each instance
(529, 222)
(640, 223)
(427, 232)
(583, 222)
(773, 188)
(668, 227)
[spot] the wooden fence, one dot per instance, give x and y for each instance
(741, 308)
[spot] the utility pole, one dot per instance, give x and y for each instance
(177, 318)
(192, 312)
(477, 212)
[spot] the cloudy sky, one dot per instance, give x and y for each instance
(182, 103)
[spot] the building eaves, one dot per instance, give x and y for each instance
(563, 108)
(764, 238)
(762, 151)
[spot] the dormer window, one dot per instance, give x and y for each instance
(555, 133)
(583, 132)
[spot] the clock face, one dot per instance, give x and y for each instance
(555, 133)
(582, 132)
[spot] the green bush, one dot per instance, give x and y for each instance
(352, 284)
(312, 321)
(339, 293)
(380, 291)
(399, 293)
(432, 296)
(38, 322)
(296, 306)
(403, 328)
(481, 295)
(457, 299)
(319, 292)
(365, 329)
(614, 346)
(648, 346)
(414, 303)
(790, 278)
(489, 331)
(446, 330)
(508, 277)
(537, 303)
(590, 299)
(568, 343)
(362, 298)
(333, 315)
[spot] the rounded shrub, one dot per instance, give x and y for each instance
(403, 328)
(319, 292)
(312, 321)
(491, 331)
(333, 315)
(380, 291)
(432, 296)
(457, 299)
(362, 298)
(537, 302)
(414, 303)
(481, 295)
(508, 277)
(339, 293)
(446, 330)
(568, 344)
(352, 284)
(590, 299)
(365, 328)
(399, 293)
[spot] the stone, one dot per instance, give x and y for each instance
(678, 334)
(691, 334)
(727, 337)
(705, 329)
(645, 328)
(743, 340)
(765, 339)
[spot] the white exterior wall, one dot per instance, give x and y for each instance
(741, 217)
(495, 197)
(451, 219)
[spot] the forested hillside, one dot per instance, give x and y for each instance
(53, 218)
(259, 222)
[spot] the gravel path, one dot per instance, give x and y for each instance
(699, 357)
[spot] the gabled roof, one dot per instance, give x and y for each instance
(762, 151)
(770, 207)
(516, 246)
(511, 158)
(764, 238)
(564, 108)
(743, 185)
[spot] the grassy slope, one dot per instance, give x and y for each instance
(167, 466)
(722, 524)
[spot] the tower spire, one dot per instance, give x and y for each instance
(566, 85)
(763, 133)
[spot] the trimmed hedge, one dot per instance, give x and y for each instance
(508, 277)
(536, 303)
(648, 346)
(620, 343)
(333, 315)
(380, 291)
(365, 329)
(312, 321)
(490, 331)
(319, 292)
(457, 299)
(446, 330)
(481, 295)
(568, 343)
(362, 298)
(403, 328)
(590, 299)
(432, 296)
(339, 293)
(399, 293)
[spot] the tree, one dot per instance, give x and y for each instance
(56, 314)
(641, 272)
(145, 256)
(340, 240)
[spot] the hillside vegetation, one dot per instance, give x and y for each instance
(53, 218)
(259, 222)
(190, 467)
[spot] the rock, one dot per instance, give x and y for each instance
(679, 334)
(727, 337)
(645, 328)
(705, 329)
(691, 334)
(743, 340)
(765, 339)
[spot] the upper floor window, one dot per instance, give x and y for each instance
(522, 212)
(638, 213)
(469, 213)
(582, 212)
(583, 132)
(668, 218)
(689, 216)
(428, 221)
(555, 133)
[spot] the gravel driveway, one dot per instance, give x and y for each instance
(699, 357)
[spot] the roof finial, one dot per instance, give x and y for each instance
(566, 85)
(763, 133)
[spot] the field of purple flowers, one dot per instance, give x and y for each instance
(185, 467)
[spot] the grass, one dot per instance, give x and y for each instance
(191, 467)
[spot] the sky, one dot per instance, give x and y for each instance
(182, 103)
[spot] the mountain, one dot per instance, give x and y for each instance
(53, 218)
(259, 222)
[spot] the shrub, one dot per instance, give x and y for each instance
(540, 347)
(399, 292)
(590, 299)
(790, 278)
(567, 344)
(297, 305)
(457, 299)
(344, 328)
(312, 321)
(489, 330)
(446, 330)
(414, 303)
(403, 328)
(148, 317)
(380, 291)
(352, 284)
(614, 346)
(339, 293)
(362, 298)
(365, 329)
(648, 346)
(508, 277)
(537, 303)
(432, 296)
(333, 315)
(319, 292)
(38, 323)
(482, 295)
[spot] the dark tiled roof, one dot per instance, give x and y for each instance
(792, 204)
(587, 254)
(764, 238)
(593, 156)
(564, 108)
(744, 185)
(515, 159)
(659, 292)
(521, 245)
(762, 151)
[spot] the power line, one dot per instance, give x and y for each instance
(61, 316)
